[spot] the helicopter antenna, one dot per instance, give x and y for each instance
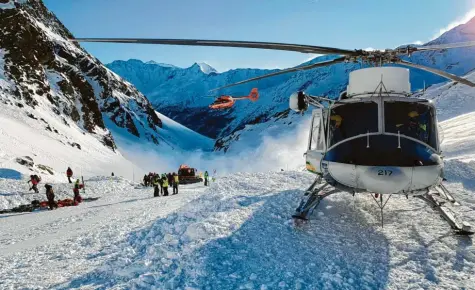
(380, 87)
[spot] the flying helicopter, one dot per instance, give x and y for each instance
(374, 138)
(226, 102)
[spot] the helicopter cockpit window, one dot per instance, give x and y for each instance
(353, 119)
(410, 119)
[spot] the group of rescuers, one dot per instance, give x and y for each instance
(152, 179)
(160, 183)
(35, 180)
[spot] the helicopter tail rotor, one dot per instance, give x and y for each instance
(254, 95)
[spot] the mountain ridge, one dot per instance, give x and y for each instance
(184, 94)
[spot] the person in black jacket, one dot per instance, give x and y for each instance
(69, 174)
(170, 179)
(50, 197)
(145, 180)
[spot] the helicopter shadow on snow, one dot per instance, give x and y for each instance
(336, 247)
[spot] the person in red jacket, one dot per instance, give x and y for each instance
(34, 179)
(69, 174)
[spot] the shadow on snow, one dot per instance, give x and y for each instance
(10, 174)
(337, 249)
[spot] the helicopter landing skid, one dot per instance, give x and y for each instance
(443, 192)
(311, 199)
(460, 227)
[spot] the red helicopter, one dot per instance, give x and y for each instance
(225, 102)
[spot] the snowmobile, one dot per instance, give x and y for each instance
(226, 102)
(187, 175)
(364, 141)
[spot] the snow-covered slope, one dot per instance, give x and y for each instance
(181, 93)
(183, 137)
(27, 148)
(41, 69)
(237, 234)
(60, 107)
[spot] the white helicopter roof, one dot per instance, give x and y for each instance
(364, 82)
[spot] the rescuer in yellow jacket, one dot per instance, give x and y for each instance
(155, 182)
(165, 186)
(176, 180)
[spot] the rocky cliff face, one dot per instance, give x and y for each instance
(41, 68)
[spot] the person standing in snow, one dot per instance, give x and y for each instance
(69, 174)
(170, 178)
(206, 178)
(50, 197)
(34, 179)
(155, 182)
(77, 196)
(145, 180)
(160, 182)
(150, 178)
(175, 183)
(165, 186)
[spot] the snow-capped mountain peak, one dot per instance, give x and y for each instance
(206, 68)
(461, 33)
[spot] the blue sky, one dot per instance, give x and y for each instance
(339, 23)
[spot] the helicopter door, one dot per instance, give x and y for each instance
(317, 140)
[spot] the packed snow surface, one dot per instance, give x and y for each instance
(235, 234)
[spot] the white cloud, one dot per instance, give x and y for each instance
(417, 42)
(462, 20)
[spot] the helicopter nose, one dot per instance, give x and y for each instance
(385, 180)
(378, 179)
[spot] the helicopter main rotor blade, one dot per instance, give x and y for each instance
(225, 43)
(437, 72)
(294, 69)
(445, 46)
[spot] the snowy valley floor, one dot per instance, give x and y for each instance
(236, 234)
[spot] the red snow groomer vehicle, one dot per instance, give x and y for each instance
(187, 175)
(225, 102)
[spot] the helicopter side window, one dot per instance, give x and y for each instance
(318, 134)
(411, 119)
(353, 119)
